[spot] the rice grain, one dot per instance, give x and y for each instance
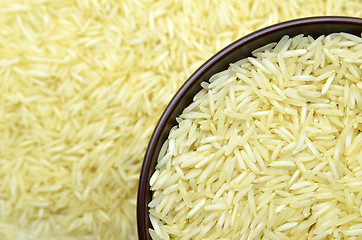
(285, 156)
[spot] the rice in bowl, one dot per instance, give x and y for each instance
(268, 149)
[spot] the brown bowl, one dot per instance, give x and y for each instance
(242, 48)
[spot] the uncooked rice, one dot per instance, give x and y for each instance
(83, 83)
(270, 148)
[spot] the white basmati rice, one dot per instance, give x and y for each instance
(290, 171)
(83, 84)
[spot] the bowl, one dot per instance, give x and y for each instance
(242, 48)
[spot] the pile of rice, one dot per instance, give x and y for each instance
(270, 148)
(82, 85)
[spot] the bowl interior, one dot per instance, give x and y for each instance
(240, 49)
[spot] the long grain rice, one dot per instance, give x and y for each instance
(288, 170)
(83, 84)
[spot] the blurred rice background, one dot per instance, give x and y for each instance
(82, 85)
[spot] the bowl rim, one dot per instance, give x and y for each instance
(143, 187)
